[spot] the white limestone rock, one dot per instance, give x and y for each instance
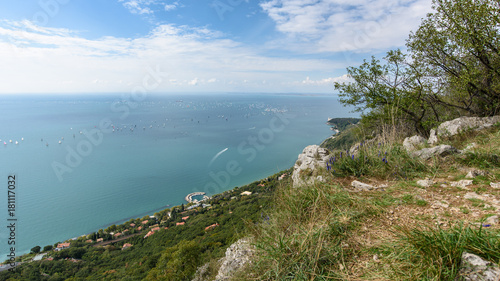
(474, 268)
(441, 150)
(412, 143)
(432, 138)
(312, 159)
(362, 186)
(492, 220)
(439, 204)
(461, 183)
(495, 184)
(237, 256)
(425, 183)
(474, 173)
(455, 126)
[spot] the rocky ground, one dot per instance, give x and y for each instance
(462, 189)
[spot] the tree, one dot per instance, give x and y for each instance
(393, 92)
(177, 263)
(35, 249)
(47, 248)
(460, 42)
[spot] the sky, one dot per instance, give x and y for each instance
(247, 46)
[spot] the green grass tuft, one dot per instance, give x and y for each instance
(306, 238)
(435, 254)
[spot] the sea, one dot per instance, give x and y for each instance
(75, 164)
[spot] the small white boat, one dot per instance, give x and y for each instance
(4, 143)
(22, 139)
(10, 141)
(62, 138)
(17, 142)
(60, 142)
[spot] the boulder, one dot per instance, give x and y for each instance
(362, 186)
(461, 183)
(432, 137)
(412, 143)
(237, 256)
(455, 126)
(492, 220)
(495, 184)
(425, 183)
(306, 168)
(474, 268)
(441, 150)
(474, 173)
(469, 147)
(439, 204)
(202, 273)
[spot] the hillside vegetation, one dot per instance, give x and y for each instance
(414, 224)
(402, 230)
(172, 252)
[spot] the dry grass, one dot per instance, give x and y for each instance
(330, 232)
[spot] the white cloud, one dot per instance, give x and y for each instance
(193, 82)
(171, 7)
(345, 25)
(326, 81)
(39, 59)
(139, 6)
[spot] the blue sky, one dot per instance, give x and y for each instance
(296, 46)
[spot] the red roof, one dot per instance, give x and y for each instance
(180, 223)
(126, 245)
(211, 226)
(144, 222)
(63, 245)
(185, 218)
(132, 224)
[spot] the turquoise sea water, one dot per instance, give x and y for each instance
(161, 149)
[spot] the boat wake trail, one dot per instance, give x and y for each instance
(217, 155)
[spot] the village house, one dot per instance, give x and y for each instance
(62, 246)
(211, 226)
